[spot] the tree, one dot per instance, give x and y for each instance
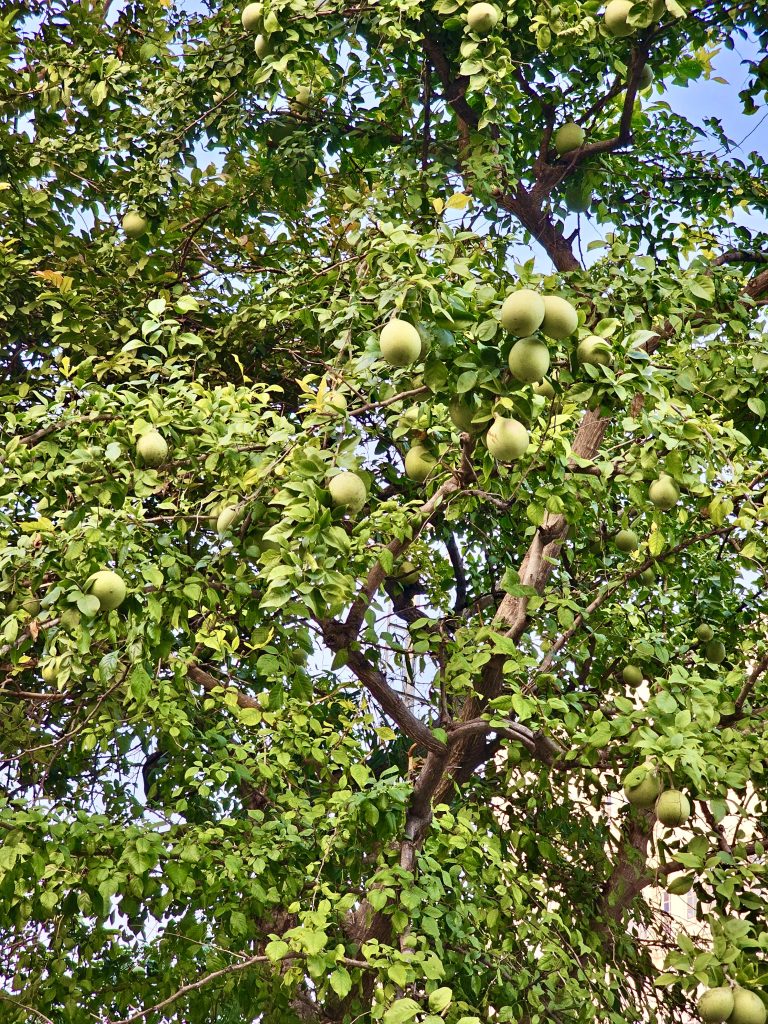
(293, 759)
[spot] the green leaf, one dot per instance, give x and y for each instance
(401, 1010)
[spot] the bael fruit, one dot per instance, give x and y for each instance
(560, 318)
(595, 351)
(462, 410)
(482, 18)
(334, 402)
(569, 136)
(615, 18)
(704, 632)
(152, 449)
(642, 787)
(528, 360)
(262, 46)
(419, 463)
(522, 312)
(715, 652)
(672, 808)
(108, 587)
(632, 675)
(348, 491)
(251, 17)
(544, 387)
(716, 1005)
(400, 343)
(228, 518)
(646, 77)
(748, 1008)
(507, 439)
(626, 541)
(664, 493)
(134, 225)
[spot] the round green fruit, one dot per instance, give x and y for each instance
(419, 463)
(302, 98)
(134, 225)
(646, 77)
(348, 491)
(642, 787)
(544, 388)
(595, 351)
(461, 411)
(334, 402)
(507, 439)
(632, 675)
(408, 574)
(400, 343)
(560, 318)
(50, 670)
(568, 137)
(626, 541)
(251, 17)
(31, 606)
(109, 588)
(615, 17)
(528, 360)
(714, 652)
(748, 1008)
(672, 808)
(577, 197)
(664, 493)
(482, 18)
(647, 576)
(152, 449)
(716, 1005)
(262, 46)
(228, 518)
(704, 632)
(522, 312)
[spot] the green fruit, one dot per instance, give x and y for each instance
(632, 675)
(228, 518)
(134, 225)
(419, 463)
(714, 652)
(615, 18)
(642, 787)
(704, 633)
(544, 388)
(578, 198)
(31, 606)
(507, 439)
(672, 808)
(595, 351)
(262, 46)
(152, 448)
(568, 137)
(482, 18)
(646, 78)
(348, 491)
(109, 588)
(251, 17)
(50, 670)
(334, 401)
(716, 1005)
(302, 98)
(748, 1008)
(528, 360)
(626, 541)
(664, 492)
(647, 576)
(461, 411)
(400, 343)
(560, 318)
(522, 312)
(409, 573)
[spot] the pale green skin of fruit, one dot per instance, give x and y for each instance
(704, 633)
(568, 137)
(632, 675)
(647, 576)
(152, 449)
(578, 199)
(507, 439)
(348, 491)
(616, 18)
(134, 225)
(400, 343)
(528, 360)
(626, 541)
(672, 808)
(482, 18)
(251, 17)
(262, 47)
(715, 652)
(560, 318)
(409, 573)
(419, 463)
(664, 493)
(748, 1008)
(334, 401)
(645, 794)
(595, 351)
(544, 388)
(229, 516)
(716, 1005)
(522, 312)
(109, 588)
(646, 77)
(461, 414)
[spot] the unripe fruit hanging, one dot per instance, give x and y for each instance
(522, 312)
(672, 808)
(507, 439)
(348, 491)
(400, 343)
